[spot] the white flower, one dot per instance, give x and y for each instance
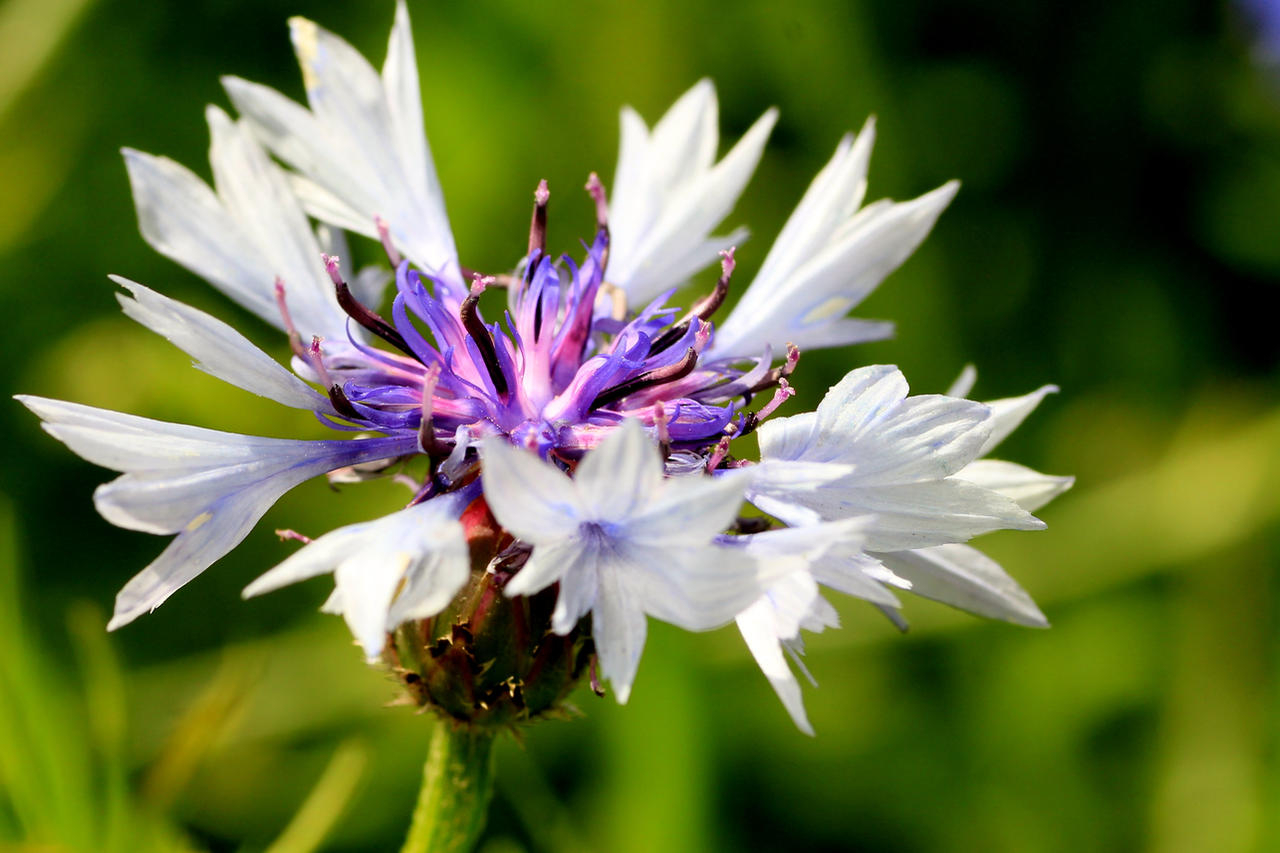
(360, 150)
(622, 542)
(669, 192)
(827, 259)
(905, 453)
(208, 487)
(404, 566)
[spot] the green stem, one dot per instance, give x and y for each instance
(457, 783)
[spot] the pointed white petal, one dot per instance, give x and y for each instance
(184, 220)
(966, 578)
(798, 304)
(217, 348)
(1029, 489)
(689, 510)
(851, 572)
(788, 438)
(756, 626)
(621, 475)
(529, 497)
(254, 191)
(831, 199)
(856, 404)
(404, 102)
(1009, 413)
(927, 437)
(695, 588)
(913, 515)
(579, 580)
(618, 629)
(361, 144)
(676, 245)
(964, 382)
(668, 195)
(547, 564)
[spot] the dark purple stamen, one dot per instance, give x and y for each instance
(362, 315)
(703, 309)
(480, 334)
(426, 430)
(342, 404)
(658, 376)
(538, 227)
(779, 373)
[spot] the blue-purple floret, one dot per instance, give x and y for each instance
(556, 375)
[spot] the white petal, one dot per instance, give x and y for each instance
(677, 246)
(866, 420)
(209, 487)
(318, 557)
(1029, 489)
(689, 510)
(799, 304)
(579, 581)
(850, 573)
(964, 382)
(182, 219)
(1008, 414)
(778, 474)
(361, 143)
(621, 475)
(547, 564)
(791, 600)
(857, 404)
(832, 198)
(913, 515)
(404, 103)
(368, 581)
(207, 538)
(618, 630)
(925, 438)
(667, 195)
(756, 627)
(255, 193)
(217, 348)
(695, 588)
(531, 498)
(788, 438)
(966, 578)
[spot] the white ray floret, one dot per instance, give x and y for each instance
(773, 622)
(218, 349)
(206, 486)
(827, 259)
(904, 451)
(403, 566)
(360, 151)
(960, 575)
(241, 237)
(623, 543)
(669, 193)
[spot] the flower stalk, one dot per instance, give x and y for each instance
(457, 783)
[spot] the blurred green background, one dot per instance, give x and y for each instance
(1118, 233)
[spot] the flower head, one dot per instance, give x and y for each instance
(577, 443)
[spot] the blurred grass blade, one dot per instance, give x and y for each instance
(31, 32)
(210, 720)
(326, 802)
